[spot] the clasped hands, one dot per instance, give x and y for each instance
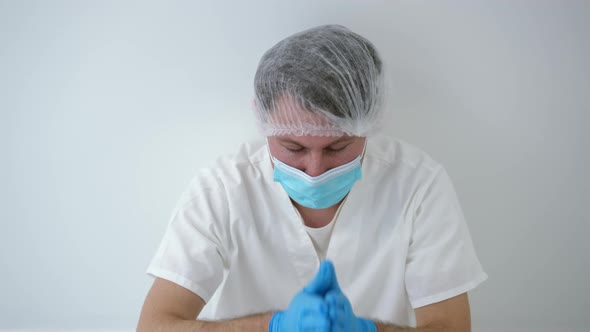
(320, 306)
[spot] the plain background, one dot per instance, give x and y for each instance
(108, 108)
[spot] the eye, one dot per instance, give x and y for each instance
(331, 149)
(295, 150)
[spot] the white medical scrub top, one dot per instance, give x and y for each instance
(399, 243)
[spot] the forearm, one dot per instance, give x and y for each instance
(253, 323)
(381, 327)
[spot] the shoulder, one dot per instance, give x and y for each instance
(390, 154)
(244, 167)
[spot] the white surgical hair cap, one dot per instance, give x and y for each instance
(325, 81)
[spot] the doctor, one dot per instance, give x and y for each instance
(327, 225)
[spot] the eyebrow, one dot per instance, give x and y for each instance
(340, 140)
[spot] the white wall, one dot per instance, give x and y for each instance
(108, 107)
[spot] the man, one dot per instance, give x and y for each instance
(325, 227)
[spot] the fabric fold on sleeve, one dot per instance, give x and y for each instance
(441, 261)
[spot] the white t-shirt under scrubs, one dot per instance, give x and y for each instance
(400, 240)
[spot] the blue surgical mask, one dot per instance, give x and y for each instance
(321, 191)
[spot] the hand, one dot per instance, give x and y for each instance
(340, 311)
(308, 310)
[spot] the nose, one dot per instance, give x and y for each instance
(315, 164)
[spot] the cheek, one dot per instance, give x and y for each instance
(296, 160)
(327, 162)
(340, 159)
(291, 160)
(349, 155)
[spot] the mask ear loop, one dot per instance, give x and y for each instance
(364, 150)
(272, 159)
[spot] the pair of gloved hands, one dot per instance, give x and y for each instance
(320, 306)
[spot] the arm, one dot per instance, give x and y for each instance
(170, 307)
(452, 315)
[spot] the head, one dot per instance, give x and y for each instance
(318, 95)
(329, 71)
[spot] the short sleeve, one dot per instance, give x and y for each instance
(192, 252)
(441, 260)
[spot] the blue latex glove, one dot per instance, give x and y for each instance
(308, 310)
(340, 310)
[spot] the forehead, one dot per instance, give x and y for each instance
(314, 141)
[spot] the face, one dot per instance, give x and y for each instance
(315, 155)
